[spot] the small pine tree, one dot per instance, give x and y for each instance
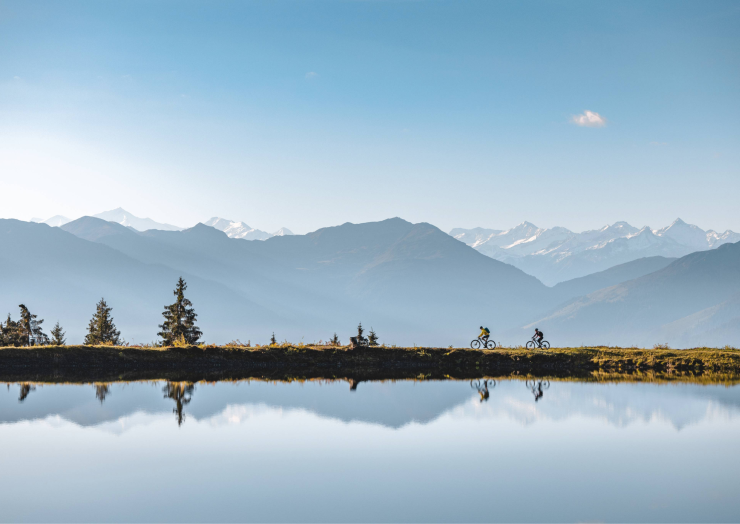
(179, 319)
(57, 335)
(102, 330)
(335, 340)
(273, 340)
(372, 338)
(360, 331)
(10, 333)
(30, 328)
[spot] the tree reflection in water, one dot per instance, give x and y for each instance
(102, 390)
(537, 386)
(26, 388)
(181, 393)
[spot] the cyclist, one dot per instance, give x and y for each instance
(484, 334)
(538, 336)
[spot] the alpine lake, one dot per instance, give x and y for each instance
(373, 451)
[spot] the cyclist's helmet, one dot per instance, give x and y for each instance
(481, 327)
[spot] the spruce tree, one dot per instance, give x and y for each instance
(372, 338)
(360, 331)
(273, 340)
(179, 319)
(10, 333)
(57, 335)
(335, 340)
(30, 328)
(102, 330)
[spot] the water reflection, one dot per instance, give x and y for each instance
(102, 390)
(26, 388)
(537, 386)
(393, 404)
(279, 451)
(182, 394)
(482, 387)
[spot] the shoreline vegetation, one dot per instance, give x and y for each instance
(298, 362)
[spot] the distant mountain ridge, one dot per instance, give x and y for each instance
(694, 300)
(558, 254)
(235, 229)
(413, 282)
(119, 216)
(55, 221)
(123, 217)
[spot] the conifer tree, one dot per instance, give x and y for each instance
(57, 335)
(179, 319)
(372, 338)
(360, 331)
(10, 334)
(335, 340)
(30, 328)
(102, 330)
(273, 340)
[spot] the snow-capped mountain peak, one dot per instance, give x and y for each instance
(234, 229)
(557, 254)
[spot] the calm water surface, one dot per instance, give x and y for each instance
(386, 451)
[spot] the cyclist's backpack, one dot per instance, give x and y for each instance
(488, 331)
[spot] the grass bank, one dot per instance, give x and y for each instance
(287, 362)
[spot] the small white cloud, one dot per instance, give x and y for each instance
(589, 119)
(311, 75)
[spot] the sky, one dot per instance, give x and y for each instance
(311, 113)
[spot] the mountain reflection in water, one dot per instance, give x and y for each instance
(391, 403)
(470, 451)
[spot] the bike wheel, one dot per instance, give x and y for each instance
(475, 344)
(530, 345)
(491, 344)
(545, 344)
(545, 384)
(475, 384)
(491, 383)
(531, 383)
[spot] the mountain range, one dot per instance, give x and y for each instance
(121, 216)
(558, 254)
(694, 300)
(411, 282)
(242, 230)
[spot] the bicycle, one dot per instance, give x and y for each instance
(537, 387)
(480, 386)
(482, 389)
(478, 343)
(534, 343)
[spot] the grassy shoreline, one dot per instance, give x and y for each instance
(287, 362)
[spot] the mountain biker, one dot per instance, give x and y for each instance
(538, 336)
(484, 334)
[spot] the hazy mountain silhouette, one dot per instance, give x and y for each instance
(61, 277)
(694, 297)
(610, 277)
(123, 217)
(412, 282)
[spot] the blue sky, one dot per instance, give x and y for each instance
(309, 113)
